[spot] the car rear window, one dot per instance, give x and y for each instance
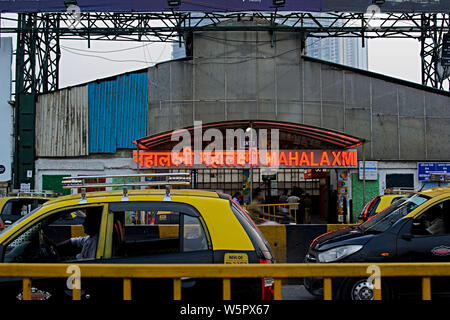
(369, 209)
(259, 241)
(386, 218)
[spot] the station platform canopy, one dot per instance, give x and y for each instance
(291, 135)
(248, 143)
(410, 6)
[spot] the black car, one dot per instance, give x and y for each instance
(414, 230)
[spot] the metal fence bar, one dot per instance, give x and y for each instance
(277, 290)
(426, 288)
(176, 289)
(270, 210)
(126, 289)
(377, 293)
(227, 272)
(76, 294)
(26, 289)
(226, 289)
(278, 271)
(327, 289)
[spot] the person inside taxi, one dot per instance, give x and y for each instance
(436, 224)
(86, 246)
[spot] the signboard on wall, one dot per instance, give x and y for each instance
(6, 124)
(371, 168)
(315, 173)
(189, 159)
(425, 168)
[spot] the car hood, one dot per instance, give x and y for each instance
(342, 237)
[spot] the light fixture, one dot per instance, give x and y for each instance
(69, 3)
(278, 3)
(173, 3)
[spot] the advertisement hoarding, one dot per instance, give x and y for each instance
(6, 121)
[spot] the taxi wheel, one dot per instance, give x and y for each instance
(362, 289)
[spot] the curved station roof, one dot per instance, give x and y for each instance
(291, 135)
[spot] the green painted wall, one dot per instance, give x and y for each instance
(372, 189)
(53, 182)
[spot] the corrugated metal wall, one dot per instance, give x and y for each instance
(62, 123)
(117, 112)
(241, 75)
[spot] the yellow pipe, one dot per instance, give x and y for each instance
(76, 294)
(277, 289)
(327, 289)
(26, 287)
(226, 289)
(426, 288)
(177, 289)
(126, 289)
(225, 271)
(377, 294)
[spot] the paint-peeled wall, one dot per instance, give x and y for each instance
(6, 120)
(62, 123)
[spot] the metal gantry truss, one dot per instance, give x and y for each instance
(39, 34)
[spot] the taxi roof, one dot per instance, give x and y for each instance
(434, 192)
(150, 192)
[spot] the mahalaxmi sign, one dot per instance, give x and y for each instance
(189, 159)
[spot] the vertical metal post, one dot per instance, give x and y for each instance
(364, 174)
(226, 287)
(126, 289)
(251, 164)
(137, 159)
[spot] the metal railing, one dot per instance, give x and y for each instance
(226, 273)
(272, 211)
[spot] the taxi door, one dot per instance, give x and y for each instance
(38, 242)
(159, 233)
(426, 238)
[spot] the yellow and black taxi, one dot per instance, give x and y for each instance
(416, 229)
(13, 207)
(376, 205)
(183, 226)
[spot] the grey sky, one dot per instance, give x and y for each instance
(398, 58)
(394, 57)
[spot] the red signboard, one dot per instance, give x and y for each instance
(315, 174)
(246, 159)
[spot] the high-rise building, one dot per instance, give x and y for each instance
(346, 51)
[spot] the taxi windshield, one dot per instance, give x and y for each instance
(20, 220)
(386, 218)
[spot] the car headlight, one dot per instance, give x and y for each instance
(338, 253)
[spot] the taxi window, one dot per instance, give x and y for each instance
(148, 229)
(194, 238)
(21, 207)
(386, 218)
(43, 241)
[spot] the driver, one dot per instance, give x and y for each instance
(436, 225)
(87, 244)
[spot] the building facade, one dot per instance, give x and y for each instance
(249, 76)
